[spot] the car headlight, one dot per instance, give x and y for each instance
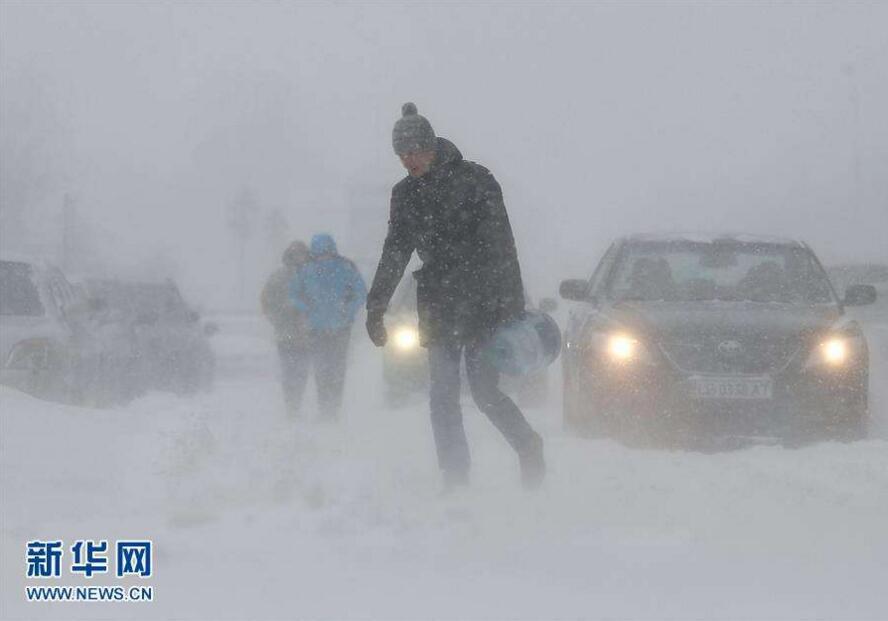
(619, 347)
(835, 352)
(406, 338)
(622, 348)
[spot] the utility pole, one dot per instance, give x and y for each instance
(241, 213)
(277, 230)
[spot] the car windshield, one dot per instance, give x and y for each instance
(722, 270)
(134, 299)
(162, 299)
(18, 294)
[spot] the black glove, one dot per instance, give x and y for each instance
(376, 328)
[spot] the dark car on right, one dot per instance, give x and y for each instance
(691, 337)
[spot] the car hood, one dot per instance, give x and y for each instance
(676, 319)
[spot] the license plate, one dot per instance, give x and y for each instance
(731, 388)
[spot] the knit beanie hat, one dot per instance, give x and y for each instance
(412, 132)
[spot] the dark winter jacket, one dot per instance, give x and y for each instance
(454, 217)
(289, 324)
(328, 289)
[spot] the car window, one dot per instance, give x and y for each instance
(604, 266)
(18, 293)
(731, 271)
(161, 300)
(111, 301)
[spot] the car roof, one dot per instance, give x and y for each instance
(708, 238)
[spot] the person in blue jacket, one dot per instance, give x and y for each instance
(328, 290)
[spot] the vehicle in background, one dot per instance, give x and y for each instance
(46, 347)
(169, 344)
(405, 361)
(684, 338)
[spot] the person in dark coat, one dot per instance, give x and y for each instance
(290, 328)
(329, 291)
(451, 212)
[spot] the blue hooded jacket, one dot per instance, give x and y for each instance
(328, 289)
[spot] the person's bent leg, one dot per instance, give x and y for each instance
(447, 422)
(505, 415)
(331, 362)
(294, 373)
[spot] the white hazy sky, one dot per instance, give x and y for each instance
(597, 118)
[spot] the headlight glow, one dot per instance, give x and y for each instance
(834, 351)
(618, 348)
(622, 348)
(406, 338)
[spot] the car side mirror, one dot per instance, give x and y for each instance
(860, 295)
(574, 289)
(210, 328)
(548, 305)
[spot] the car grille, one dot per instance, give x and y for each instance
(746, 354)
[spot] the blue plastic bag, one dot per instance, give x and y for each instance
(526, 346)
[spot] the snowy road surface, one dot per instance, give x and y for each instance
(255, 518)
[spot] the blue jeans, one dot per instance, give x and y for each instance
(447, 422)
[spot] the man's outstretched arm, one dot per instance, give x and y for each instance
(396, 254)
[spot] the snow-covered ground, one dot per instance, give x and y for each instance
(253, 517)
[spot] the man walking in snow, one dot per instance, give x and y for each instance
(329, 290)
(451, 212)
(290, 330)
